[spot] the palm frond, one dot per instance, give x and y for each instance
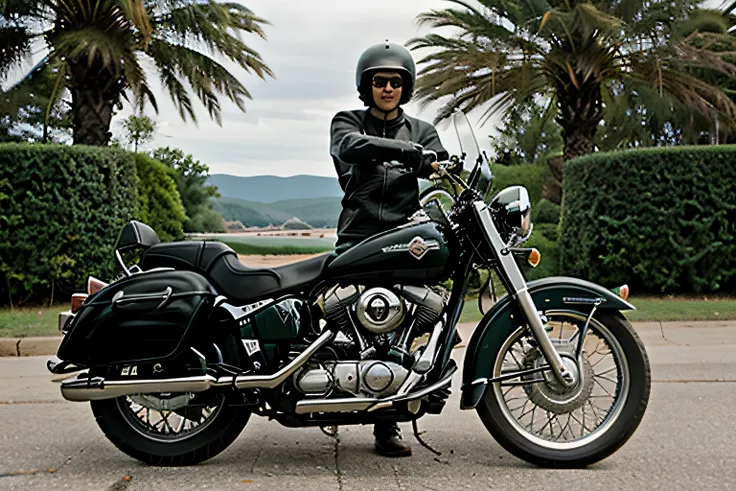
(211, 25)
(206, 77)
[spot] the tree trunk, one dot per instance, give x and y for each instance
(581, 111)
(94, 94)
(552, 187)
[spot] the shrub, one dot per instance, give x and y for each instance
(61, 209)
(159, 204)
(531, 176)
(659, 219)
(546, 212)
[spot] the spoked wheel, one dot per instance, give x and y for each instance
(545, 423)
(171, 418)
(171, 429)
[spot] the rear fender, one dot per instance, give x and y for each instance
(505, 317)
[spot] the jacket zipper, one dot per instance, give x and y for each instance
(383, 193)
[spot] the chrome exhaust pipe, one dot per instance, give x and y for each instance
(83, 388)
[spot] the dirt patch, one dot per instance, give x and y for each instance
(255, 261)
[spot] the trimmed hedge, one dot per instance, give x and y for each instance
(159, 202)
(659, 219)
(61, 209)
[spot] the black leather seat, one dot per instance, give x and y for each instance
(221, 266)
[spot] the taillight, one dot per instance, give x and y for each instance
(77, 301)
(94, 285)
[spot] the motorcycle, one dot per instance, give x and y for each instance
(177, 354)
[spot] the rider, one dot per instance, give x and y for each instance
(379, 153)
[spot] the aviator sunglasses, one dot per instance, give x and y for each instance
(380, 82)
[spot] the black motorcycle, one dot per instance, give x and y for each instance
(177, 354)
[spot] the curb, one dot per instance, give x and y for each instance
(29, 346)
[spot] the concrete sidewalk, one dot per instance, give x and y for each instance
(47, 346)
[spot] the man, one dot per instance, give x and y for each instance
(379, 153)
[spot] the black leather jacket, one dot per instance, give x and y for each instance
(374, 161)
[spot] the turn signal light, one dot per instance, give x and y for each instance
(534, 257)
(77, 301)
(622, 291)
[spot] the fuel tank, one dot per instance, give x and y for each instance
(411, 254)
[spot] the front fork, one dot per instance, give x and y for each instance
(516, 284)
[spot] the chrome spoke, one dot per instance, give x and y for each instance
(163, 424)
(585, 419)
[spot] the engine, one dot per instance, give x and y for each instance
(382, 310)
(382, 323)
(366, 378)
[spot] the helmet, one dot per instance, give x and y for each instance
(389, 57)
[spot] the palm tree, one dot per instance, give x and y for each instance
(98, 49)
(507, 52)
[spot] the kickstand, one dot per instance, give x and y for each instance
(422, 442)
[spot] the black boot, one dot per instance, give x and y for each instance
(388, 440)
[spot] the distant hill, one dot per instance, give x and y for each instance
(271, 189)
(317, 212)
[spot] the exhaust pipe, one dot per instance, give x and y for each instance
(83, 388)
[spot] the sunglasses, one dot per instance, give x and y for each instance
(380, 82)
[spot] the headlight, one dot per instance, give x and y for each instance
(511, 211)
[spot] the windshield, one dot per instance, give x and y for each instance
(476, 162)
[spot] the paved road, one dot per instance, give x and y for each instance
(687, 440)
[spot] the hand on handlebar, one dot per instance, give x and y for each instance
(449, 166)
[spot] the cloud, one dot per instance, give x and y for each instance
(312, 47)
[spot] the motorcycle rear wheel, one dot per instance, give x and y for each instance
(196, 428)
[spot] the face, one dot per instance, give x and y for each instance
(387, 88)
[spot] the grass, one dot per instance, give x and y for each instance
(655, 309)
(42, 321)
(27, 322)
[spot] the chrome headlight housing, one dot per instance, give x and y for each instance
(511, 210)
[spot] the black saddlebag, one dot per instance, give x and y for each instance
(146, 317)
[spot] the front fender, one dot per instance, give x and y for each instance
(505, 317)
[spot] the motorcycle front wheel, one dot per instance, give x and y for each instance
(538, 420)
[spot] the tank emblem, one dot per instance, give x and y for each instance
(418, 247)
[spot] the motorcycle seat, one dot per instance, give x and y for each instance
(239, 283)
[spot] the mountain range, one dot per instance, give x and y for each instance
(270, 189)
(260, 201)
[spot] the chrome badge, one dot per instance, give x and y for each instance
(418, 247)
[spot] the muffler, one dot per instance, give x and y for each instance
(84, 388)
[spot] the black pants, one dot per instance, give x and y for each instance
(383, 429)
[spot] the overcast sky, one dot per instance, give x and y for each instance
(313, 47)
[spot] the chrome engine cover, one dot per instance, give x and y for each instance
(380, 310)
(365, 378)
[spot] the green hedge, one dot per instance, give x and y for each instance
(61, 209)
(531, 176)
(660, 219)
(159, 202)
